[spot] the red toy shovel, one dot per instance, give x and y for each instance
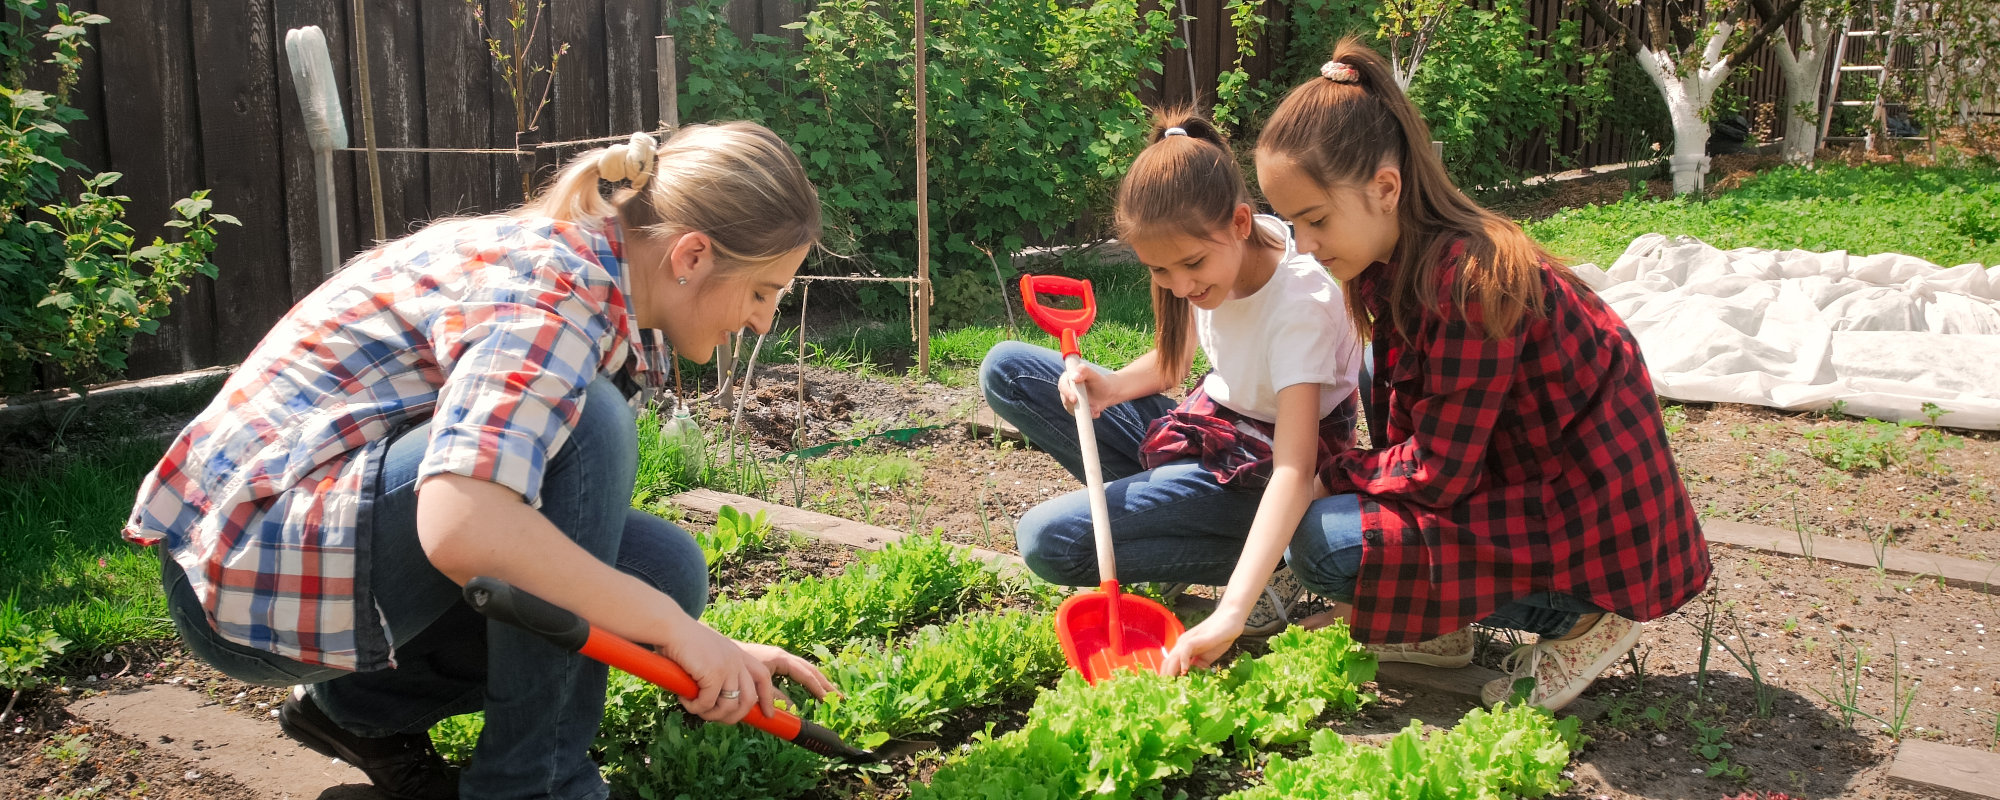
(1104, 630)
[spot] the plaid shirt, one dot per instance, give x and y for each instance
(491, 328)
(1234, 448)
(1533, 463)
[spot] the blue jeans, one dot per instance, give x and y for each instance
(1176, 523)
(542, 704)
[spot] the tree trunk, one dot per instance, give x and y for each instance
(1687, 99)
(1801, 68)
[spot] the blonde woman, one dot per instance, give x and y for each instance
(457, 403)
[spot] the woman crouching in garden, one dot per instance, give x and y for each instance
(457, 404)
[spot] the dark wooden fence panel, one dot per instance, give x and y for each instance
(188, 94)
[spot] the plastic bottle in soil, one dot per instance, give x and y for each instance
(680, 433)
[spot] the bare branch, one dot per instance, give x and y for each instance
(1610, 23)
(1770, 23)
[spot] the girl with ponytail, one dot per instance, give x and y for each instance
(1520, 475)
(455, 404)
(1209, 491)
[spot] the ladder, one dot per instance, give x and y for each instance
(1870, 29)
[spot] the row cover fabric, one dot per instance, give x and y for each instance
(1799, 330)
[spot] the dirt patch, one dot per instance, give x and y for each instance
(1750, 464)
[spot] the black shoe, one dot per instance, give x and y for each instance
(403, 767)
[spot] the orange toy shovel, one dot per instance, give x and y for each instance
(1104, 630)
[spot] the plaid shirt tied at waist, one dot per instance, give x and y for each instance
(1234, 448)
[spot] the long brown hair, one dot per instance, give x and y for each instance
(1188, 186)
(1341, 133)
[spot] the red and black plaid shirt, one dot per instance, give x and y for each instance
(1532, 463)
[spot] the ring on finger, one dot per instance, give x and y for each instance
(731, 694)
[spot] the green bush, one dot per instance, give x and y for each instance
(1033, 116)
(1490, 87)
(75, 287)
(25, 649)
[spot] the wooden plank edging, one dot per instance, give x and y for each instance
(1946, 770)
(1960, 572)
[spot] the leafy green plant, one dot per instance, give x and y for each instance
(911, 581)
(736, 536)
(1123, 737)
(1513, 750)
(24, 650)
(1875, 444)
(1710, 744)
(910, 685)
(76, 284)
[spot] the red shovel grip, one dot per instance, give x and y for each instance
(1063, 323)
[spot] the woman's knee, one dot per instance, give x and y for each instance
(1325, 555)
(668, 558)
(1056, 545)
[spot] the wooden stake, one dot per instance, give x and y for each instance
(670, 96)
(923, 212)
(368, 119)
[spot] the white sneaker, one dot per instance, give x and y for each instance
(1450, 650)
(1561, 670)
(1273, 610)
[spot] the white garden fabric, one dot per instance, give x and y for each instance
(1799, 330)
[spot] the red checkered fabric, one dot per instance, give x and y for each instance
(1234, 448)
(1537, 462)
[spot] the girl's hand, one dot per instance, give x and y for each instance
(732, 679)
(1094, 385)
(1202, 644)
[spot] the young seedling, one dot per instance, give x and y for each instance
(1798, 526)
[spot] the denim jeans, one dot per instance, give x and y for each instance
(1176, 523)
(542, 704)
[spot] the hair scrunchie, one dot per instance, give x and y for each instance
(1339, 72)
(1174, 131)
(632, 161)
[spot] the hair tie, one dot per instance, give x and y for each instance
(632, 161)
(1339, 72)
(1174, 131)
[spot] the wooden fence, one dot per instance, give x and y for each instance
(190, 94)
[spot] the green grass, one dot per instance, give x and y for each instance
(60, 548)
(1123, 331)
(1946, 215)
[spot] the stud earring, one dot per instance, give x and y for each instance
(684, 280)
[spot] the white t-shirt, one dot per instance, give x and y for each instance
(1293, 330)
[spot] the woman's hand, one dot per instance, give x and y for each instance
(1202, 644)
(731, 678)
(1092, 383)
(791, 666)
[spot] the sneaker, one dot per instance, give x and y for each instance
(1561, 670)
(1450, 650)
(1273, 610)
(402, 767)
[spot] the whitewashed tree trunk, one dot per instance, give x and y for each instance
(1688, 96)
(1801, 65)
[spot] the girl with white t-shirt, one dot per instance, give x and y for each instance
(1211, 490)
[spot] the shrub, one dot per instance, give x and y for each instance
(1033, 116)
(74, 286)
